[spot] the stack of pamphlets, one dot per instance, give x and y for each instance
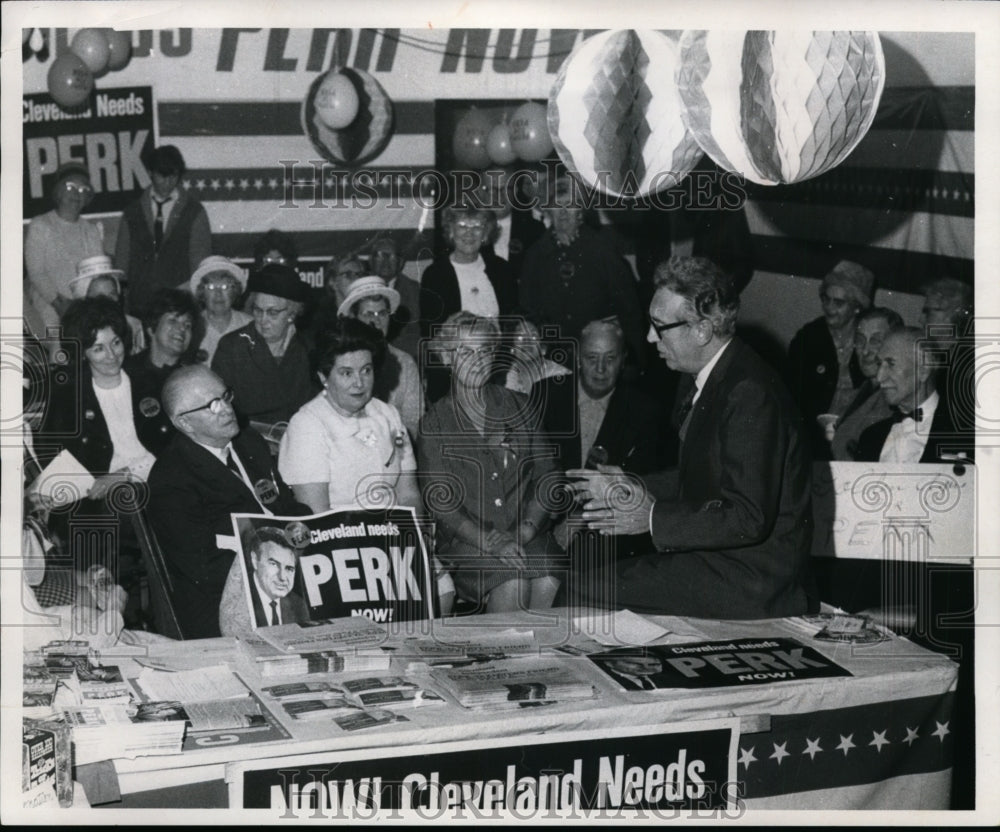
(512, 683)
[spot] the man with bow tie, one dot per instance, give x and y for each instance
(921, 429)
(732, 524)
(164, 234)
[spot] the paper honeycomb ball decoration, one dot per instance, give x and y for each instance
(367, 134)
(779, 107)
(615, 117)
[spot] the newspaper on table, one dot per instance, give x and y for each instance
(460, 647)
(338, 564)
(513, 683)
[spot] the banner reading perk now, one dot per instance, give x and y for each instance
(345, 563)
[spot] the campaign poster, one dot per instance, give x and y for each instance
(338, 564)
(108, 135)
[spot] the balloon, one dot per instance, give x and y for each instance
(369, 132)
(498, 145)
(529, 132)
(70, 82)
(469, 143)
(91, 45)
(615, 116)
(336, 101)
(779, 107)
(120, 49)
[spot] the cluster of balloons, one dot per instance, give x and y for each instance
(632, 111)
(479, 141)
(92, 53)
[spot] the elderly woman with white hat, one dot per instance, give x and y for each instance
(397, 381)
(218, 284)
(266, 362)
(96, 277)
(825, 373)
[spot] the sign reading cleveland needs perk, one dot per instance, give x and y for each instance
(335, 565)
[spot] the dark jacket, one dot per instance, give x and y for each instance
(441, 297)
(73, 420)
(813, 368)
(267, 389)
(153, 425)
(187, 240)
(943, 438)
(630, 431)
(732, 525)
(192, 495)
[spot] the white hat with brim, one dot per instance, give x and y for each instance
(98, 265)
(216, 263)
(370, 286)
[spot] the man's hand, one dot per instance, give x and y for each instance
(613, 502)
(104, 483)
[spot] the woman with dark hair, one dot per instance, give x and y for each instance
(496, 537)
(275, 247)
(397, 380)
(56, 241)
(95, 414)
(338, 442)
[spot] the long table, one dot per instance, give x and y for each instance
(881, 738)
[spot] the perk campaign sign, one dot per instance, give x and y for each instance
(107, 135)
(334, 565)
(639, 771)
(714, 664)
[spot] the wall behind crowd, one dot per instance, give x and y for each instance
(902, 203)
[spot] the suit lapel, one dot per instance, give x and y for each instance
(214, 473)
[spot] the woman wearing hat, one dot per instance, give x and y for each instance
(397, 380)
(265, 362)
(56, 241)
(218, 284)
(825, 373)
(95, 278)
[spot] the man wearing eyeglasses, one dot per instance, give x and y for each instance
(210, 470)
(732, 525)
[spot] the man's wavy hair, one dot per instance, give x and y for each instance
(708, 290)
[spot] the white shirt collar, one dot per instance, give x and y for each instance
(704, 372)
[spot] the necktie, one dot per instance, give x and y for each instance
(917, 416)
(232, 466)
(647, 683)
(158, 223)
(684, 412)
(274, 613)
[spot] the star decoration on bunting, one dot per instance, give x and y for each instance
(230, 184)
(244, 184)
(878, 740)
(846, 743)
(812, 748)
(747, 756)
(911, 735)
(779, 752)
(272, 182)
(258, 184)
(200, 184)
(215, 185)
(941, 732)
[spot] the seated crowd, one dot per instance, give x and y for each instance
(232, 394)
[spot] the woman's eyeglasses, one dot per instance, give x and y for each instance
(79, 190)
(216, 405)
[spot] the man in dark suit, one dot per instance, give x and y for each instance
(600, 410)
(275, 563)
(732, 525)
(921, 430)
(210, 470)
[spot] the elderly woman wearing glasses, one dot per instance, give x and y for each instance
(218, 284)
(55, 243)
(468, 279)
(494, 536)
(265, 362)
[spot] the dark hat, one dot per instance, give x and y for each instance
(278, 280)
(68, 169)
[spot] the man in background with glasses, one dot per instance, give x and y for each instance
(211, 469)
(732, 524)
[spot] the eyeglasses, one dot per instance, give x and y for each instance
(215, 405)
(377, 313)
(81, 190)
(661, 328)
(465, 225)
(224, 286)
(271, 313)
